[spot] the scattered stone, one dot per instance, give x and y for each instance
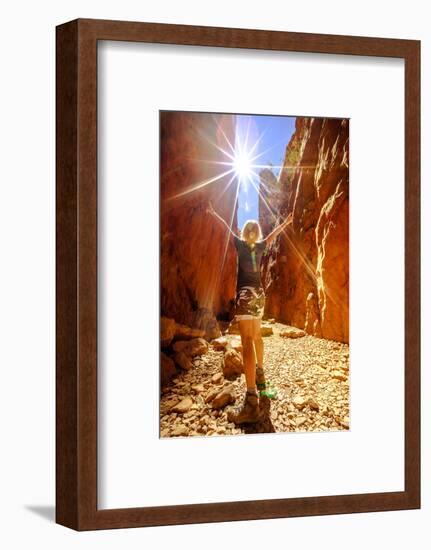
(222, 399)
(212, 394)
(266, 330)
(217, 378)
(236, 344)
(232, 363)
(313, 404)
(344, 368)
(338, 375)
(292, 332)
(345, 422)
(168, 404)
(325, 410)
(193, 404)
(183, 406)
(300, 420)
(299, 402)
(180, 430)
(220, 344)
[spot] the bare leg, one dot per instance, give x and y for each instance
(248, 352)
(249, 410)
(258, 342)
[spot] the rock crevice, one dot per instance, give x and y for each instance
(306, 272)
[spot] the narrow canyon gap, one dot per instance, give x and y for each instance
(305, 274)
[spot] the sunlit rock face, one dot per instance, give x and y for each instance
(306, 272)
(197, 264)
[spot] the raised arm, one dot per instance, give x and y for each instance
(271, 236)
(210, 209)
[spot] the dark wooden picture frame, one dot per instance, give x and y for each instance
(76, 273)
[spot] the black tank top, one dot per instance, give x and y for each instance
(249, 263)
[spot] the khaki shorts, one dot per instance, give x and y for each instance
(249, 303)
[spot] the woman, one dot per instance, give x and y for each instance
(249, 306)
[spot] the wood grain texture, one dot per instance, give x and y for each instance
(412, 274)
(76, 275)
(67, 478)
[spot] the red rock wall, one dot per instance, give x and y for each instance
(195, 281)
(306, 273)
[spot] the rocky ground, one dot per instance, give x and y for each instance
(311, 376)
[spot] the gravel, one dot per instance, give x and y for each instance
(311, 376)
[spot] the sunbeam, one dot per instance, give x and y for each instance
(241, 161)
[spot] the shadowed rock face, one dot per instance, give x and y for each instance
(197, 264)
(306, 272)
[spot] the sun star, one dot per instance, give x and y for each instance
(242, 165)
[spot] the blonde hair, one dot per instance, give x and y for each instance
(251, 225)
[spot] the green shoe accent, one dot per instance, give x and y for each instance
(270, 393)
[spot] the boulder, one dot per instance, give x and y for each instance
(232, 363)
(167, 331)
(236, 344)
(205, 320)
(220, 344)
(167, 369)
(184, 332)
(183, 360)
(292, 332)
(196, 346)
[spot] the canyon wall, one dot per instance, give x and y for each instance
(197, 267)
(306, 273)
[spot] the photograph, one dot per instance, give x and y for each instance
(254, 274)
(214, 231)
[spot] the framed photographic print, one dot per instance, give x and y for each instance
(238, 274)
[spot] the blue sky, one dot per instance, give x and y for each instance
(275, 133)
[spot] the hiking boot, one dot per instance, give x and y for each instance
(246, 413)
